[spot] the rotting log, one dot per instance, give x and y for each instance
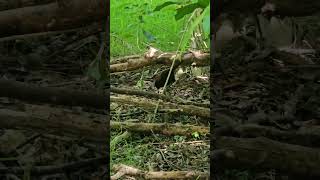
(59, 15)
(124, 170)
(130, 91)
(56, 121)
(309, 136)
(160, 128)
(263, 154)
(162, 106)
(54, 169)
(14, 4)
(198, 59)
(59, 96)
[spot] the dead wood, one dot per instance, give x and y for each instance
(160, 128)
(124, 59)
(147, 94)
(263, 154)
(140, 93)
(14, 4)
(163, 106)
(305, 138)
(92, 28)
(124, 170)
(74, 166)
(56, 16)
(60, 96)
(48, 120)
(196, 58)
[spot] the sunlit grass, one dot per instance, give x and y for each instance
(134, 25)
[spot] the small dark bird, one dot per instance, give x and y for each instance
(161, 78)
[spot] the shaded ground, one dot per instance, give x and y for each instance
(158, 152)
(271, 89)
(59, 60)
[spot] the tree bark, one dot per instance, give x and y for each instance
(60, 15)
(59, 96)
(263, 154)
(55, 121)
(14, 4)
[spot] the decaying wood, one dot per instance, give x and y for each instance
(38, 170)
(129, 91)
(59, 15)
(124, 59)
(124, 170)
(195, 58)
(48, 120)
(14, 4)
(147, 94)
(60, 96)
(305, 138)
(263, 154)
(163, 106)
(160, 128)
(96, 27)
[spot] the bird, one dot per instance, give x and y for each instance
(160, 79)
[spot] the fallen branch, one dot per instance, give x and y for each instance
(74, 166)
(163, 106)
(48, 120)
(196, 58)
(59, 15)
(160, 128)
(60, 96)
(62, 122)
(140, 93)
(92, 27)
(147, 94)
(124, 59)
(263, 154)
(124, 170)
(305, 138)
(14, 4)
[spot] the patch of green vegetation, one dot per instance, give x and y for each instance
(134, 25)
(158, 152)
(130, 152)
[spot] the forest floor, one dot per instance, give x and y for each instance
(268, 93)
(157, 152)
(134, 26)
(35, 149)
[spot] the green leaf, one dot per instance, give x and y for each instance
(181, 12)
(168, 3)
(140, 84)
(195, 134)
(203, 3)
(206, 24)
(193, 26)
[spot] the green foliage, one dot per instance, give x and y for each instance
(187, 9)
(196, 135)
(192, 27)
(135, 24)
(168, 3)
(97, 68)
